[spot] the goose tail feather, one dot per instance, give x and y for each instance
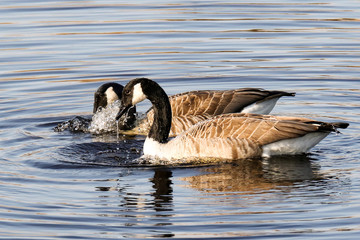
(332, 127)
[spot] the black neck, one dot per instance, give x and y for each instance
(160, 128)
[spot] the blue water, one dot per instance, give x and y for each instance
(55, 54)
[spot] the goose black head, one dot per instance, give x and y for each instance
(139, 89)
(132, 94)
(107, 94)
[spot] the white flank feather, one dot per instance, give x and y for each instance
(294, 145)
(263, 107)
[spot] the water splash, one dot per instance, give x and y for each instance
(77, 124)
(103, 121)
(117, 130)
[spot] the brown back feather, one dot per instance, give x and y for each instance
(219, 102)
(196, 106)
(263, 129)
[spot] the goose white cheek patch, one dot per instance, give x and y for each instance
(138, 94)
(111, 95)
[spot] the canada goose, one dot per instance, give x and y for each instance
(191, 107)
(227, 136)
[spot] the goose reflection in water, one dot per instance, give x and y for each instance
(254, 175)
(241, 177)
(239, 184)
(134, 204)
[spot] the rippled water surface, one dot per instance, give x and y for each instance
(65, 185)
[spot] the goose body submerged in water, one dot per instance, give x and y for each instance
(191, 107)
(227, 136)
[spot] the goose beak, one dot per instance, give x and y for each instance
(123, 109)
